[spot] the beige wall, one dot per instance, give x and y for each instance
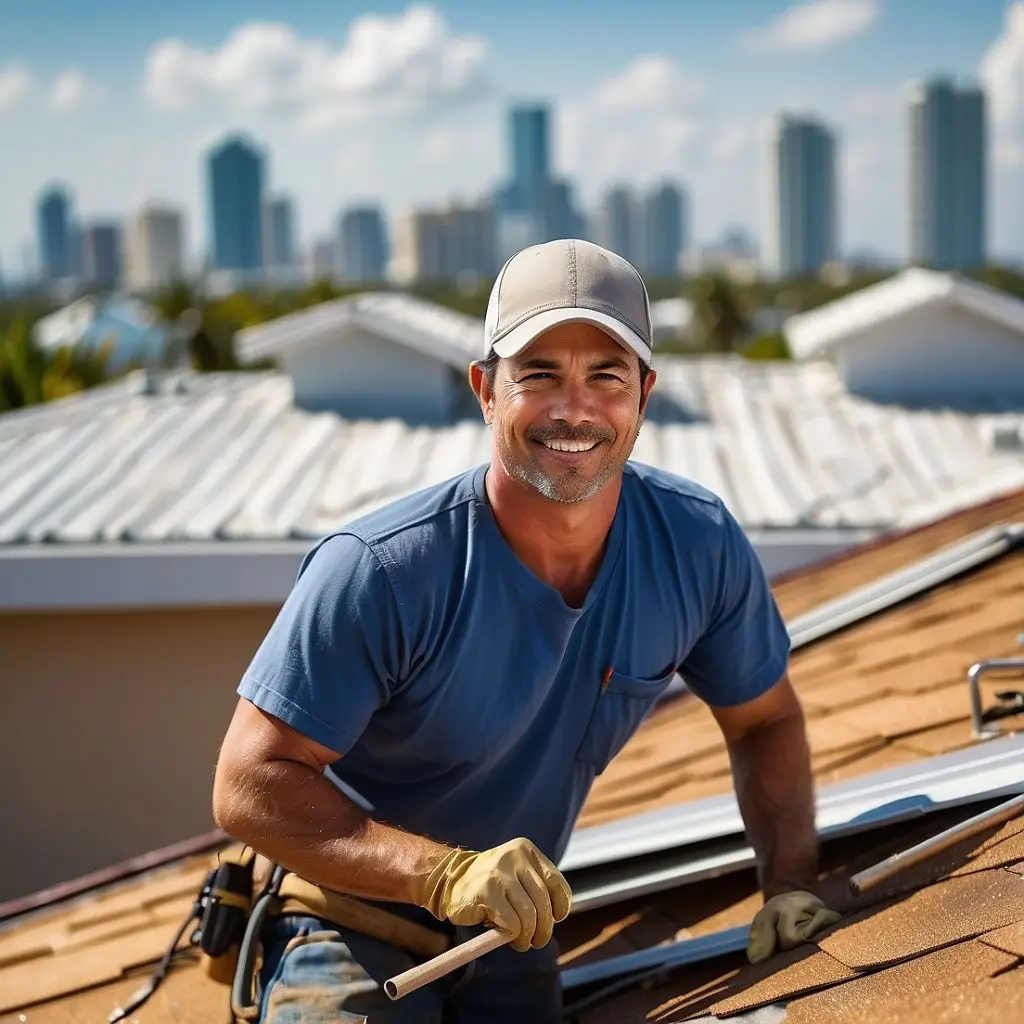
(109, 729)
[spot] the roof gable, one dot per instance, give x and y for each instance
(819, 331)
(451, 338)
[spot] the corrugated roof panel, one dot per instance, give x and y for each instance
(52, 480)
(288, 489)
(242, 434)
(188, 456)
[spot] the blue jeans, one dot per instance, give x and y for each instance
(314, 972)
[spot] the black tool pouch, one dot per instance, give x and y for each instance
(227, 905)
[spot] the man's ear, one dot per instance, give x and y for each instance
(645, 395)
(482, 389)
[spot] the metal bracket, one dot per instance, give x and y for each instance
(981, 719)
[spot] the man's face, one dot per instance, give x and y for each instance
(565, 411)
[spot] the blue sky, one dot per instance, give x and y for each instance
(404, 103)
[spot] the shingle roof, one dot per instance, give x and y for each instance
(816, 332)
(888, 691)
(228, 456)
(871, 700)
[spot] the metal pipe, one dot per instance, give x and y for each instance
(974, 675)
(870, 877)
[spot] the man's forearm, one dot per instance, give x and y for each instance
(296, 817)
(775, 789)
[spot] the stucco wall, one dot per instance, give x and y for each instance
(945, 353)
(109, 729)
(364, 375)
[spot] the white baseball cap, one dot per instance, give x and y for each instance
(567, 281)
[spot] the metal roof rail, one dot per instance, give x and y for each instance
(634, 967)
(660, 849)
(1011, 701)
(904, 584)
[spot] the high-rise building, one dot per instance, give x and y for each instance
(156, 248)
(800, 212)
(617, 222)
(948, 158)
(101, 255)
(362, 245)
(279, 233)
(661, 234)
(531, 206)
(531, 164)
(444, 245)
(235, 191)
(54, 232)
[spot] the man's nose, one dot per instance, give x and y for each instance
(572, 403)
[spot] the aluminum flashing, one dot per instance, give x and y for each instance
(673, 954)
(890, 590)
(965, 776)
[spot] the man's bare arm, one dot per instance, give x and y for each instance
(772, 773)
(271, 794)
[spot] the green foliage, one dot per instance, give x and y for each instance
(30, 374)
(719, 314)
(767, 346)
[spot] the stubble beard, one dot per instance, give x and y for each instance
(569, 486)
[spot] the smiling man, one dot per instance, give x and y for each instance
(467, 659)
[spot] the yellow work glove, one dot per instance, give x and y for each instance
(513, 887)
(785, 921)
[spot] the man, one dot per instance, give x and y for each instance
(467, 659)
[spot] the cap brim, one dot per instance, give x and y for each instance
(529, 330)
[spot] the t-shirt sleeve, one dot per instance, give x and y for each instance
(744, 649)
(335, 650)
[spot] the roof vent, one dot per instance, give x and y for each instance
(142, 382)
(1006, 436)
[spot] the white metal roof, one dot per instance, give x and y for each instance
(426, 327)
(812, 334)
(228, 456)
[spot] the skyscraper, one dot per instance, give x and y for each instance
(662, 232)
(531, 166)
(362, 245)
(617, 225)
(54, 230)
(531, 206)
(235, 189)
(800, 212)
(101, 255)
(947, 136)
(155, 248)
(279, 233)
(445, 244)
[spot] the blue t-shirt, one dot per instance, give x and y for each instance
(469, 701)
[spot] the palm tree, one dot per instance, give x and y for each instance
(30, 374)
(722, 321)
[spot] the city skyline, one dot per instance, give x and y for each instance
(687, 91)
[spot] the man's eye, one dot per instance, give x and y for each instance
(608, 376)
(540, 374)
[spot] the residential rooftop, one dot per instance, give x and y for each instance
(662, 878)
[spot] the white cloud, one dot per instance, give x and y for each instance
(72, 91)
(813, 26)
(439, 146)
(650, 83)
(385, 66)
(645, 120)
(357, 156)
(15, 84)
(730, 141)
(875, 104)
(1002, 71)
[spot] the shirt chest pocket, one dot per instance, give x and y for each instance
(622, 704)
